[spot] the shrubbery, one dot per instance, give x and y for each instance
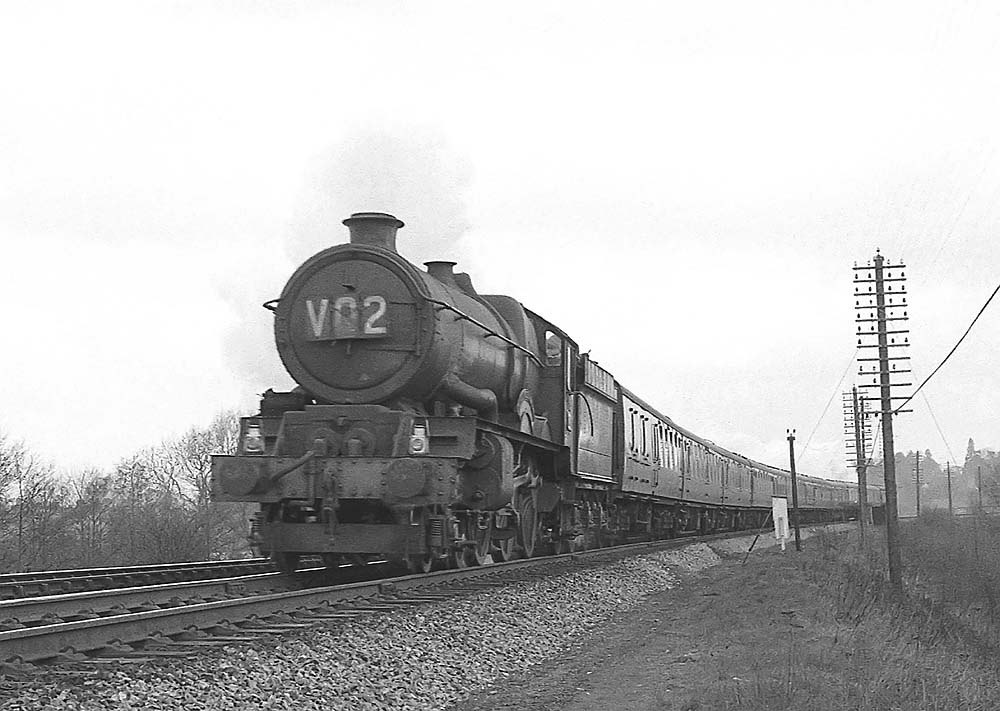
(153, 507)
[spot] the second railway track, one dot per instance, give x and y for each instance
(145, 623)
(52, 582)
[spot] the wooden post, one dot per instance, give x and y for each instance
(795, 489)
(950, 512)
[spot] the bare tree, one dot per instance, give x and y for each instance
(190, 455)
(91, 505)
(32, 503)
(153, 506)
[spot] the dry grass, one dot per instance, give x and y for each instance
(866, 647)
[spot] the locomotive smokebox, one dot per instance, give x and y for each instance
(376, 229)
(358, 324)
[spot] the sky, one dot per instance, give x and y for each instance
(683, 187)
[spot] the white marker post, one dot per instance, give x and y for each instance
(779, 512)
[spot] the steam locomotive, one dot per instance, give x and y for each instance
(433, 425)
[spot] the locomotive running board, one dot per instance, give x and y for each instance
(558, 452)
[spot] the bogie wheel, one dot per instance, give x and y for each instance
(285, 562)
(457, 558)
(421, 563)
(593, 539)
(479, 554)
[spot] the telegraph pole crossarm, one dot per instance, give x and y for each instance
(880, 285)
(859, 444)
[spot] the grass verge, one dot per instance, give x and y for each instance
(849, 641)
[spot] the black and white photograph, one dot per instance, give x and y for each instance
(480, 357)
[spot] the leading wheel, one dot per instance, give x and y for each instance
(479, 554)
(505, 549)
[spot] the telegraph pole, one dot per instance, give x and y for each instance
(949, 490)
(795, 488)
(916, 477)
(854, 416)
(880, 300)
(979, 485)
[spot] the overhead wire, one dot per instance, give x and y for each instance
(953, 349)
(961, 210)
(802, 454)
(940, 432)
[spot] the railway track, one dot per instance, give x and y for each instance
(21, 585)
(145, 623)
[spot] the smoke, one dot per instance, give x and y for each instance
(248, 343)
(417, 177)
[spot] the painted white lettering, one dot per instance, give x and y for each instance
(317, 321)
(345, 317)
(379, 303)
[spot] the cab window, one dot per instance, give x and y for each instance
(553, 349)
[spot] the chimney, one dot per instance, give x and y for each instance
(442, 271)
(375, 229)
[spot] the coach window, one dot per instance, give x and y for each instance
(631, 443)
(553, 349)
(644, 420)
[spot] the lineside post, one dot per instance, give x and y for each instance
(795, 489)
(950, 512)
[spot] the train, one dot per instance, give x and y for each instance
(435, 426)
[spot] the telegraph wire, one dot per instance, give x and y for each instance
(953, 349)
(802, 454)
(943, 439)
(961, 210)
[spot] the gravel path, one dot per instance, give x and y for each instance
(424, 657)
